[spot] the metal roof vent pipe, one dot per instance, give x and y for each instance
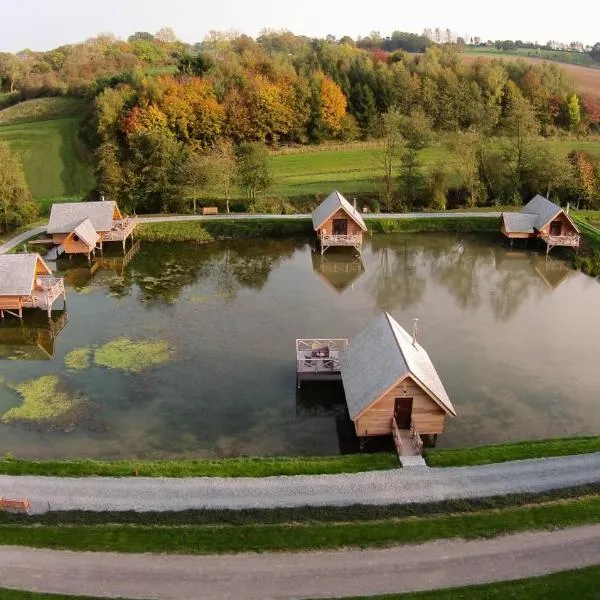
(568, 207)
(415, 330)
(354, 204)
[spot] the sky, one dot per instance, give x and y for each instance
(45, 24)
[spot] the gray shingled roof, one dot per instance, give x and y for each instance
(519, 222)
(65, 217)
(330, 206)
(17, 273)
(379, 357)
(543, 208)
(86, 232)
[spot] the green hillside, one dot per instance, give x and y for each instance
(44, 133)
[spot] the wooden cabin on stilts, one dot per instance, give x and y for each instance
(338, 223)
(26, 281)
(84, 227)
(544, 220)
(391, 385)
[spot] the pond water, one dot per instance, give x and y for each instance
(514, 337)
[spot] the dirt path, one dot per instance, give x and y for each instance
(293, 576)
(395, 486)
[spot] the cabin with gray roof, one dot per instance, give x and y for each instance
(392, 386)
(83, 227)
(338, 223)
(541, 219)
(26, 281)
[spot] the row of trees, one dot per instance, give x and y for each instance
(482, 170)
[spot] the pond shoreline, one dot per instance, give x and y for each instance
(292, 466)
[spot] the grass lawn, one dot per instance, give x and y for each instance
(227, 467)
(562, 56)
(483, 455)
(293, 536)
(44, 133)
(581, 584)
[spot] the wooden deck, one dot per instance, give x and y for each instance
(121, 230)
(570, 241)
(318, 359)
(352, 241)
(52, 289)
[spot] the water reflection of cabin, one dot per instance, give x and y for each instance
(339, 271)
(30, 341)
(338, 223)
(83, 227)
(551, 271)
(541, 219)
(391, 385)
(26, 281)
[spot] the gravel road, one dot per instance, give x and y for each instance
(418, 484)
(293, 576)
(23, 237)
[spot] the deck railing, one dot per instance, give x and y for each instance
(50, 289)
(562, 240)
(407, 442)
(121, 229)
(341, 240)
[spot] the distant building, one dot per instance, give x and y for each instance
(338, 223)
(541, 219)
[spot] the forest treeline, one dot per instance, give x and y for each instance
(167, 118)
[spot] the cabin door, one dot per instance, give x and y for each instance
(555, 228)
(340, 227)
(403, 412)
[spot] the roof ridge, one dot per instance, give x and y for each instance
(389, 321)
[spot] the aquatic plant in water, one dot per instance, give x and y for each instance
(78, 359)
(130, 356)
(46, 405)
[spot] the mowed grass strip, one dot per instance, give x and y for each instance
(214, 539)
(297, 515)
(226, 467)
(497, 453)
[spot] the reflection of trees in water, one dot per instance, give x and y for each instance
(162, 272)
(458, 267)
(396, 282)
(474, 270)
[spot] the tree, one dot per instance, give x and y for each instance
(224, 165)
(389, 132)
(166, 35)
(585, 179)
(16, 206)
(520, 125)
(573, 112)
(141, 35)
(438, 183)
(465, 148)
(363, 107)
(152, 172)
(195, 173)
(11, 70)
(416, 132)
(252, 169)
(198, 65)
(595, 53)
(333, 104)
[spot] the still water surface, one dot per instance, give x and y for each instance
(514, 336)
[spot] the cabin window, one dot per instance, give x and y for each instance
(75, 237)
(340, 227)
(555, 228)
(403, 412)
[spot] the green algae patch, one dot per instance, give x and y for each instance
(47, 406)
(133, 357)
(78, 359)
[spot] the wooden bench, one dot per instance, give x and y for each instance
(210, 210)
(22, 505)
